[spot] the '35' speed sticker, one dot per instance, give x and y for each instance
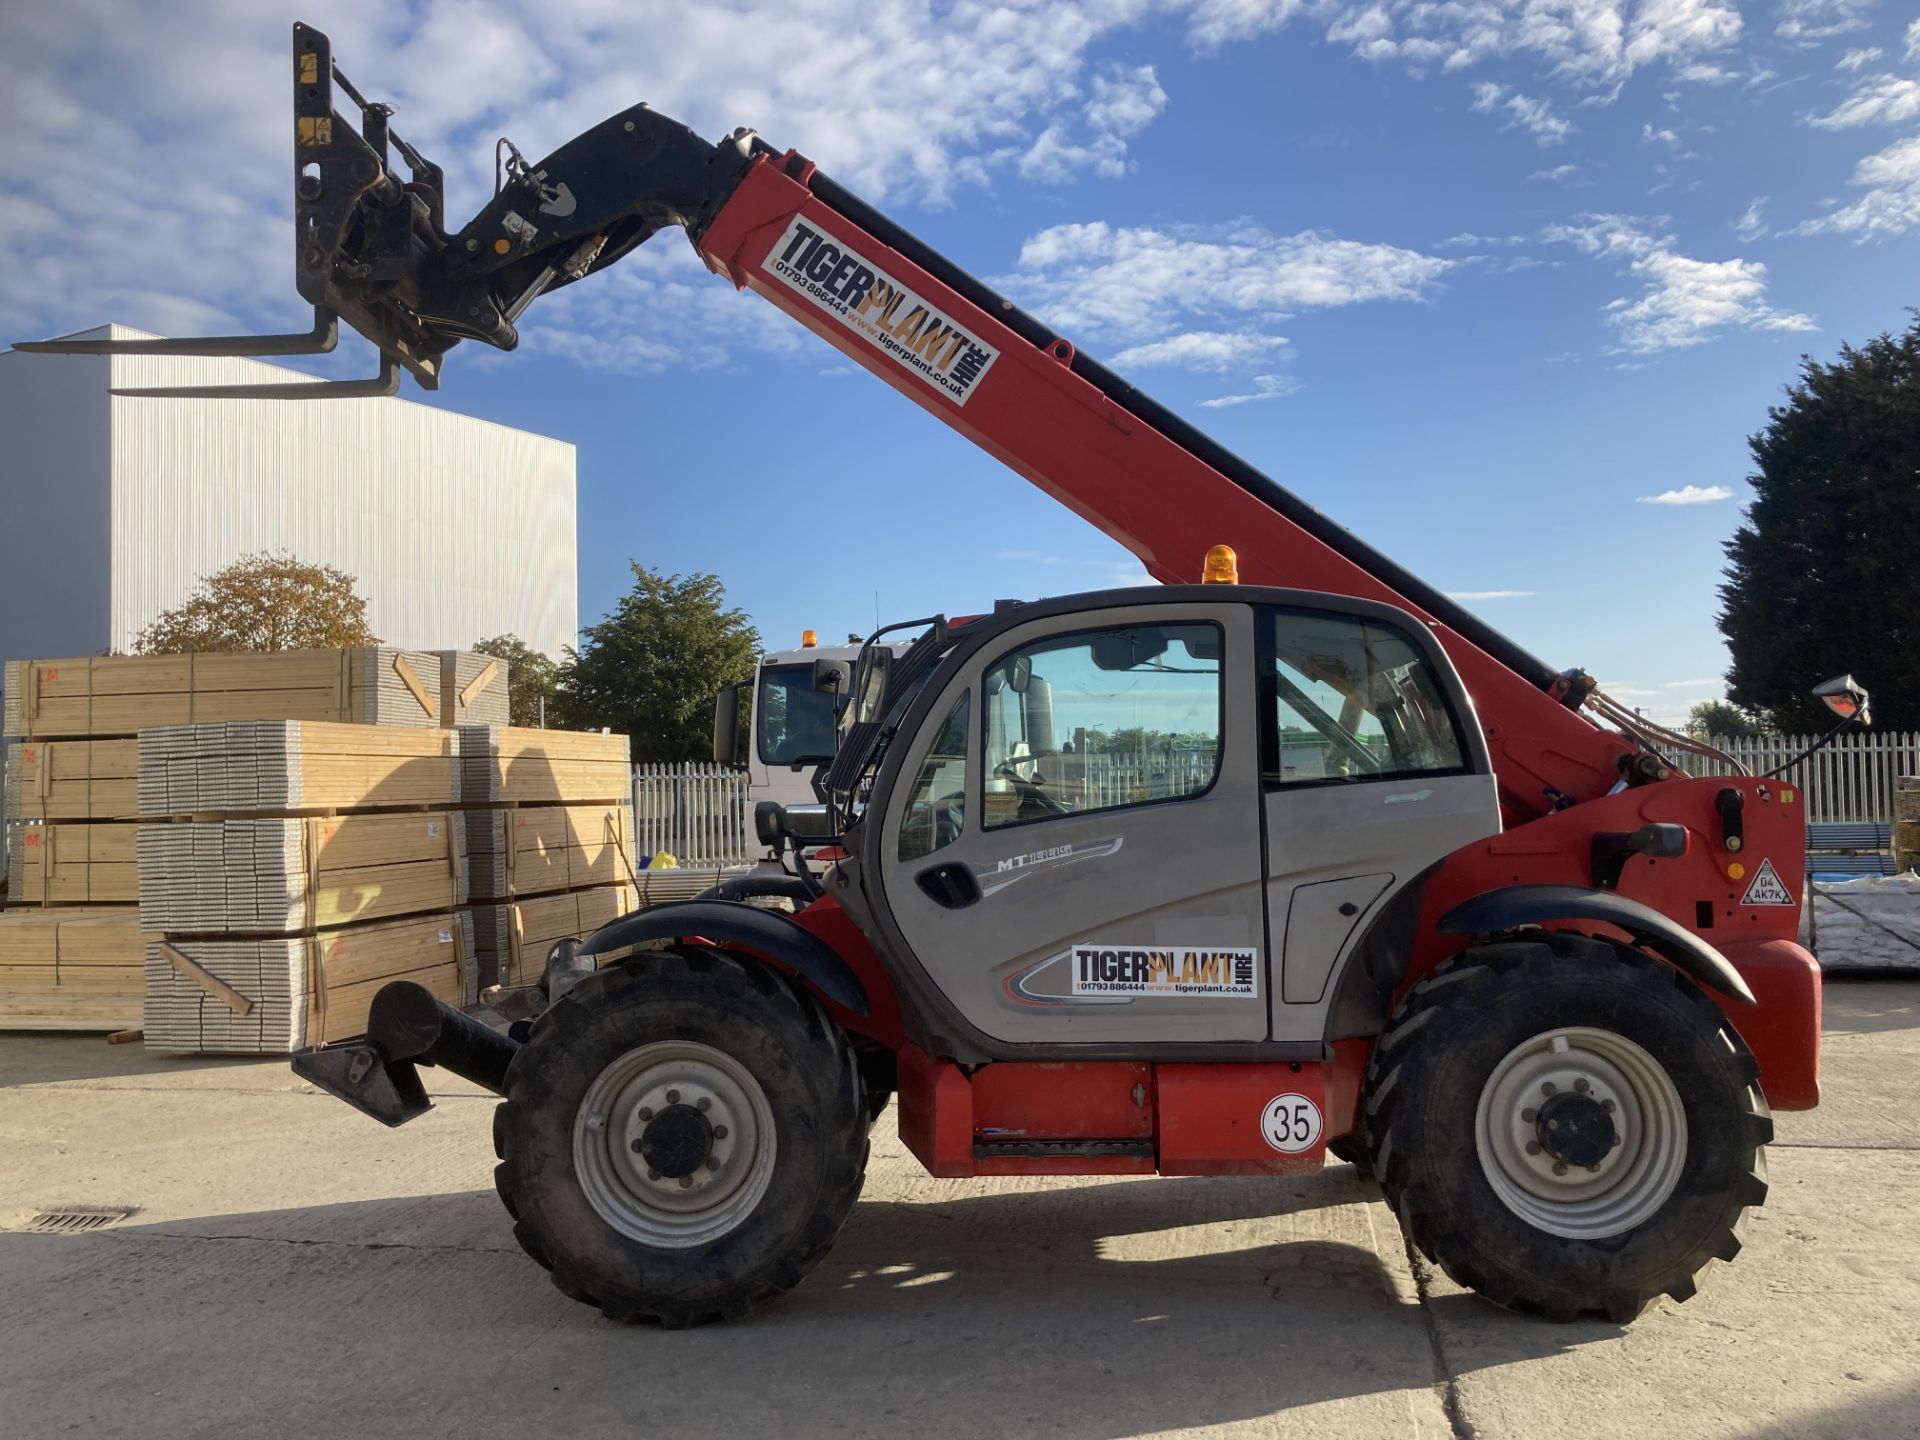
(1291, 1124)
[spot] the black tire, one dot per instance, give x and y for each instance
(1447, 1038)
(805, 1069)
(1353, 1148)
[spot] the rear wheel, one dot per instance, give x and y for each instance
(683, 1136)
(1567, 1125)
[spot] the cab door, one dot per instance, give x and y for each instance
(1374, 769)
(1072, 854)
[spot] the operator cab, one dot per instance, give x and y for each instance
(1169, 812)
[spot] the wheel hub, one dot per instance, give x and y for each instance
(677, 1141)
(1576, 1129)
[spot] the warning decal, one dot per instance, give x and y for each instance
(881, 310)
(1767, 888)
(1165, 970)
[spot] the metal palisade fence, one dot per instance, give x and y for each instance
(1852, 780)
(695, 812)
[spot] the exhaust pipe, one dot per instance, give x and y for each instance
(406, 1028)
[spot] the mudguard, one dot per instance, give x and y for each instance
(745, 929)
(1518, 905)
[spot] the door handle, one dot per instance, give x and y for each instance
(950, 885)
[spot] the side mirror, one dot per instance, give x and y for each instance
(832, 675)
(1845, 698)
(726, 726)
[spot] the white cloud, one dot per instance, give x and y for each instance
(1712, 682)
(1806, 22)
(1213, 23)
(1913, 41)
(1891, 205)
(1883, 99)
(1470, 595)
(1206, 350)
(1137, 283)
(1534, 116)
(1557, 174)
(1857, 60)
(1688, 495)
(1648, 135)
(1751, 225)
(1265, 387)
(1126, 98)
(1684, 301)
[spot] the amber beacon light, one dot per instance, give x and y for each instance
(1222, 567)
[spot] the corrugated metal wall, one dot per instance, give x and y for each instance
(456, 528)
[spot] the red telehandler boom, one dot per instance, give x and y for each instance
(1408, 898)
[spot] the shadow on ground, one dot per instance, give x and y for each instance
(1097, 1311)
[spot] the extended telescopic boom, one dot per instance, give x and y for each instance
(373, 250)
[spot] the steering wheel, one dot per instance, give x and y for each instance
(1034, 801)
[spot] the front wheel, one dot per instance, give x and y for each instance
(1567, 1125)
(683, 1135)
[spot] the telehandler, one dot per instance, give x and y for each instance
(1196, 879)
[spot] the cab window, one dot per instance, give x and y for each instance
(1100, 719)
(1352, 699)
(936, 814)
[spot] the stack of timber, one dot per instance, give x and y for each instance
(70, 969)
(122, 694)
(550, 842)
(291, 868)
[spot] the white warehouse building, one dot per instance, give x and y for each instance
(112, 508)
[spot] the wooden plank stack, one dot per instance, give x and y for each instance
(550, 842)
(70, 969)
(241, 753)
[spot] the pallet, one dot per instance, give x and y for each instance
(297, 766)
(298, 876)
(73, 780)
(296, 991)
(510, 941)
(71, 969)
(74, 864)
(513, 853)
(122, 694)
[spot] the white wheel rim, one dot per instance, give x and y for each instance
(1638, 1172)
(718, 1111)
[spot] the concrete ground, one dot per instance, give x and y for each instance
(294, 1268)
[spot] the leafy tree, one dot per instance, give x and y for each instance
(1718, 719)
(531, 677)
(268, 601)
(650, 670)
(1822, 577)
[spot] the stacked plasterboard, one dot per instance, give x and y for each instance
(550, 842)
(119, 695)
(70, 969)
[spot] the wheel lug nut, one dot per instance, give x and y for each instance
(1548, 1088)
(637, 1146)
(1616, 1141)
(646, 1113)
(1581, 1086)
(713, 1162)
(719, 1132)
(1593, 1169)
(686, 1182)
(653, 1174)
(1607, 1105)
(1529, 1116)
(703, 1103)
(1533, 1147)
(673, 1097)
(1559, 1167)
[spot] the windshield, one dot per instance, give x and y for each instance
(794, 722)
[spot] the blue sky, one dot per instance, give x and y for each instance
(1493, 282)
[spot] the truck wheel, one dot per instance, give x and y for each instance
(682, 1137)
(1567, 1125)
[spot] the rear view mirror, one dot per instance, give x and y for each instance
(726, 726)
(832, 675)
(1124, 649)
(1845, 698)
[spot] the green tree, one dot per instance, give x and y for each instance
(268, 601)
(650, 669)
(1718, 719)
(531, 677)
(1824, 576)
